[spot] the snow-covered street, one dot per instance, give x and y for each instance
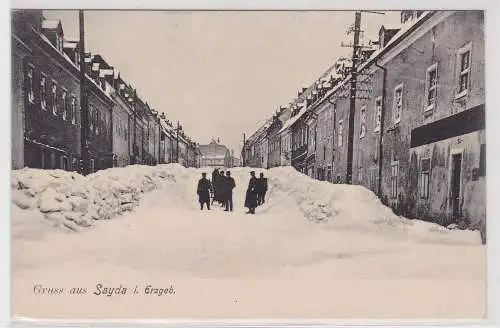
(314, 250)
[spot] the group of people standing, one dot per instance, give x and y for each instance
(222, 186)
(256, 192)
(222, 189)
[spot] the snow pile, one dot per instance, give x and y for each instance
(351, 207)
(72, 201)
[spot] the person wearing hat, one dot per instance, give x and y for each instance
(203, 191)
(229, 192)
(251, 196)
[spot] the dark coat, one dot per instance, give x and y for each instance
(230, 184)
(261, 185)
(222, 187)
(203, 190)
(251, 196)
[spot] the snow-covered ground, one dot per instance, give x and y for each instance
(313, 250)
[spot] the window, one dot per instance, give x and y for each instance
(54, 98)
(29, 84)
(43, 92)
(59, 41)
(340, 132)
(433, 35)
(464, 58)
(378, 114)
(63, 105)
(373, 177)
(431, 86)
(64, 163)
(425, 164)
(91, 116)
(362, 128)
(398, 103)
(482, 161)
(324, 152)
(73, 110)
(92, 165)
(394, 179)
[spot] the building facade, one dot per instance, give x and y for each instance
(46, 117)
(419, 120)
(46, 95)
(215, 155)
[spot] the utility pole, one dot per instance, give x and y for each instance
(352, 95)
(84, 164)
(177, 148)
(243, 151)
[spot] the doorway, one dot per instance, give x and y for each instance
(456, 175)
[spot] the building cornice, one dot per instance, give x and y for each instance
(413, 34)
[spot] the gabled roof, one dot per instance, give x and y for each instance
(214, 150)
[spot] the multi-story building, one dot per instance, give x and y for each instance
(419, 120)
(274, 138)
(123, 118)
(100, 106)
(168, 139)
(433, 148)
(46, 117)
(46, 95)
(215, 155)
(324, 141)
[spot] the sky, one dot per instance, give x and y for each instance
(221, 74)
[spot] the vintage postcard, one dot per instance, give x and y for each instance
(173, 164)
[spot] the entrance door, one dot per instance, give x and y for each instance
(456, 174)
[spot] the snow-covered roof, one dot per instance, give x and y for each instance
(213, 150)
(70, 45)
(50, 24)
(403, 29)
(293, 119)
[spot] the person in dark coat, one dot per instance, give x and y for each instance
(261, 189)
(251, 196)
(215, 175)
(203, 191)
(229, 191)
(221, 179)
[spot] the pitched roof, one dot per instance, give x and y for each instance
(213, 150)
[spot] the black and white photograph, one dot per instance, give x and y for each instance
(238, 164)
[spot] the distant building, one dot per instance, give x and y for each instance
(235, 161)
(215, 155)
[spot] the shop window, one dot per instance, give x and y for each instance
(424, 177)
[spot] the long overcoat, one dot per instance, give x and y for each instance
(251, 196)
(203, 190)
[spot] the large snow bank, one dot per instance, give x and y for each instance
(72, 201)
(346, 207)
